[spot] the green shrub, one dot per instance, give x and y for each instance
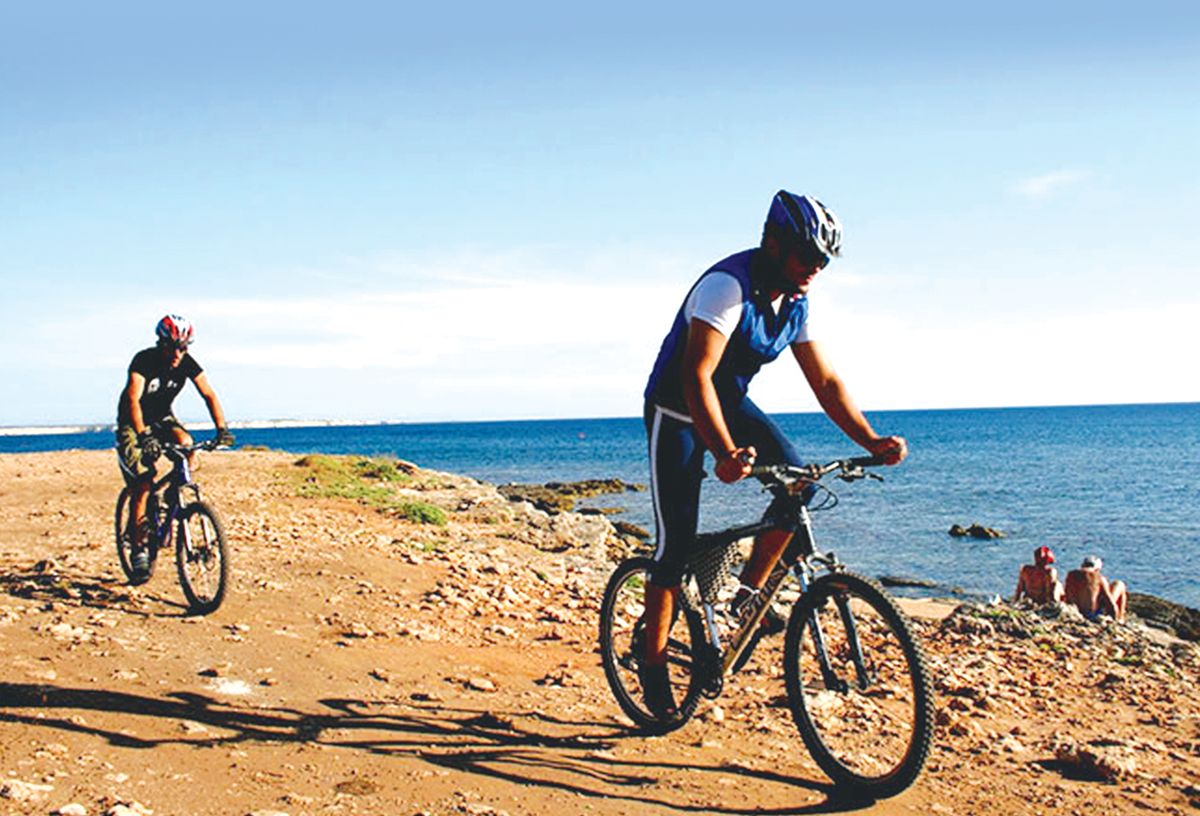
(383, 470)
(365, 480)
(420, 512)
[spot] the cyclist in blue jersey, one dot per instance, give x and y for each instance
(740, 314)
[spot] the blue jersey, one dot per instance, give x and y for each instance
(761, 335)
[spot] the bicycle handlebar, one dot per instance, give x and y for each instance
(206, 445)
(847, 469)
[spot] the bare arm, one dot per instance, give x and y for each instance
(705, 345)
(133, 401)
(1107, 602)
(1020, 586)
(838, 405)
(210, 399)
(1056, 586)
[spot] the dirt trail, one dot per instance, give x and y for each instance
(366, 664)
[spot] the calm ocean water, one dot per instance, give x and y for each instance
(1121, 482)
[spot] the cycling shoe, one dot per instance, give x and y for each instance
(656, 692)
(139, 561)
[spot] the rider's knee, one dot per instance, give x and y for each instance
(666, 574)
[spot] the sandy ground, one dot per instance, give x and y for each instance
(366, 665)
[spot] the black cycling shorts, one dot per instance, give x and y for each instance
(677, 467)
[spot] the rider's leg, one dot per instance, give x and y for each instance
(750, 426)
(179, 435)
(676, 468)
(660, 604)
(139, 493)
(655, 678)
(768, 547)
(139, 477)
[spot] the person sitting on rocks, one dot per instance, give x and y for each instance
(1094, 594)
(1039, 581)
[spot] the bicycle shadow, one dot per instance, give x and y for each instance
(48, 582)
(519, 747)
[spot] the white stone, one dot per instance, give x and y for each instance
(19, 791)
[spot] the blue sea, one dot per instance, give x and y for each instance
(1121, 482)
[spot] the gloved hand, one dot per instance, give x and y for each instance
(150, 446)
(224, 438)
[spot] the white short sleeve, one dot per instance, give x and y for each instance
(717, 300)
(805, 335)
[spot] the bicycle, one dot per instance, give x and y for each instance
(857, 683)
(201, 557)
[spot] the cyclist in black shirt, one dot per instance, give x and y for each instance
(145, 421)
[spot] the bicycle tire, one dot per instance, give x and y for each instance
(204, 568)
(621, 648)
(872, 737)
(125, 543)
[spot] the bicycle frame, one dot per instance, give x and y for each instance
(801, 557)
(169, 486)
(797, 555)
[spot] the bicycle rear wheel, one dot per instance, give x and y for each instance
(201, 557)
(622, 646)
(123, 531)
(858, 686)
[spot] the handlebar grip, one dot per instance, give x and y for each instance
(866, 461)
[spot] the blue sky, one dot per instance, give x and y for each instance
(379, 211)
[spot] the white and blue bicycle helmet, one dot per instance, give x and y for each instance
(808, 220)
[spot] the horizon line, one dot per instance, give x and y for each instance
(260, 424)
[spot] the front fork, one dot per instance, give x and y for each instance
(804, 558)
(804, 571)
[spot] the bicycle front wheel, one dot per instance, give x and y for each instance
(858, 686)
(201, 557)
(622, 648)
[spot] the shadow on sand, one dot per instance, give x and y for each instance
(46, 581)
(524, 748)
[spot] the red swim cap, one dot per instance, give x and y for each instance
(1042, 556)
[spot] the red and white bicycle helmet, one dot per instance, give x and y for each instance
(174, 330)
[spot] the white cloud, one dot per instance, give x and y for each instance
(923, 360)
(518, 340)
(1047, 184)
(433, 329)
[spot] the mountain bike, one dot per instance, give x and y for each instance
(857, 683)
(201, 557)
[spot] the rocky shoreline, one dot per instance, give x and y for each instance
(376, 656)
(553, 498)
